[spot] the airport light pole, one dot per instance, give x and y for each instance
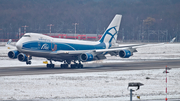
(167, 68)
(25, 28)
(75, 24)
(19, 32)
(50, 28)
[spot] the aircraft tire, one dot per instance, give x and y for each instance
(73, 65)
(28, 62)
(80, 66)
(64, 65)
(47, 65)
(61, 66)
(50, 65)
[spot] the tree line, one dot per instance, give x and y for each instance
(142, 19)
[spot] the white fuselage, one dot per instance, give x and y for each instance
(44, 46)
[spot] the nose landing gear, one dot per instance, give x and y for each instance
(28, 62)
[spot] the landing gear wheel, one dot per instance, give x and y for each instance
(64, 65)
(28, 62)
(50, 65)
(80, 66)
(74, 66)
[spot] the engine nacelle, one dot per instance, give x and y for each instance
(125, 53)
(13, 54)
(22, 57)
(86, 57)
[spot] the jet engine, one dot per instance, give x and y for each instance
(125, 53)
(13, 54)
(86, 57)
(22, 57)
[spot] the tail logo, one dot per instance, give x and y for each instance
(112, 32)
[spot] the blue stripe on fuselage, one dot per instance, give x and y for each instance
(48, 46)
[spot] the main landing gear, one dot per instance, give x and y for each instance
(72, 65)
(66, 65)
(75, 65)
(50, 65)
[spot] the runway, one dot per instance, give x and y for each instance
(98, 67)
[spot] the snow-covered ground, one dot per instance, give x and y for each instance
(91, 86)
(97, 86)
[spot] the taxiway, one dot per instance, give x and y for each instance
(97, 67)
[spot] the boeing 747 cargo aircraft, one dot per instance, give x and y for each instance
(70, 52)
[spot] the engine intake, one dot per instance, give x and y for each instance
(13, 54)
(86, 57)
(22, 57)
(125, 53)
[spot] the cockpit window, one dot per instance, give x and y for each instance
(26, 35)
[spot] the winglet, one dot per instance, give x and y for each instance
(173, 40)
(9, 41)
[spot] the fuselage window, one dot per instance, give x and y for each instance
(26, 35)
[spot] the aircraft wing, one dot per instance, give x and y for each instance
(136, 45)
(92, 51)
(98, 54)
(132, 48)
(127, 45)
(148, 45)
